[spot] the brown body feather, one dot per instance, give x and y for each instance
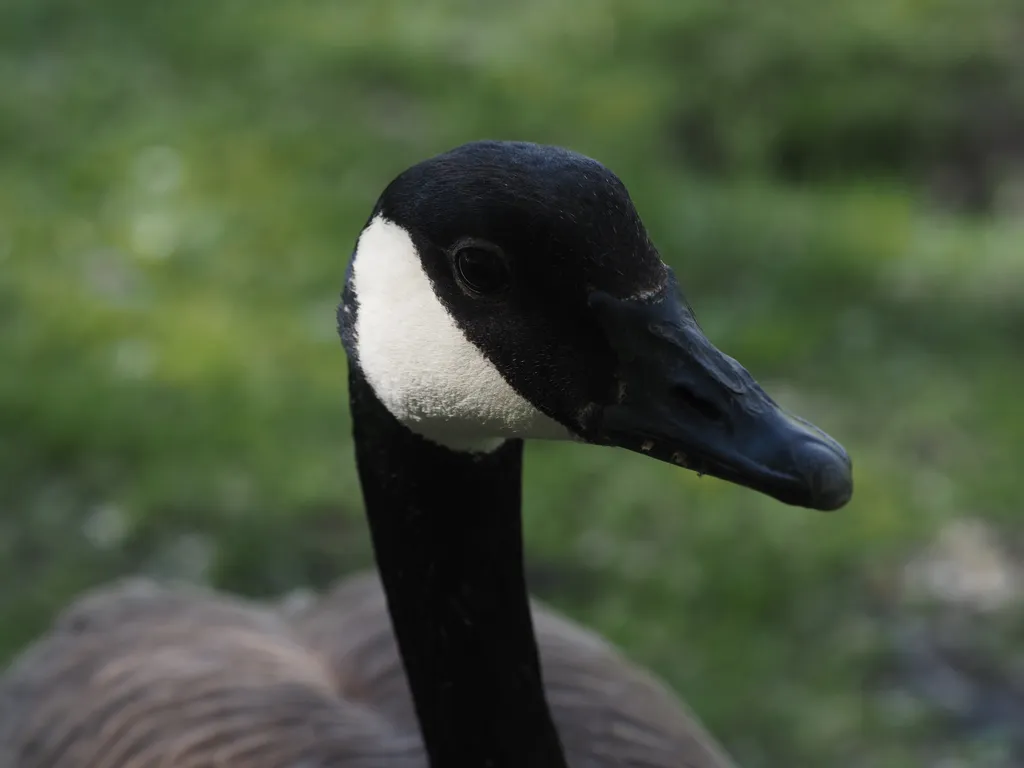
(137, 675)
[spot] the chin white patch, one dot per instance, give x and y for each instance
(422, 367)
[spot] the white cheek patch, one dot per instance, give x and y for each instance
(420, 364)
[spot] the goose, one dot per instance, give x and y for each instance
(499, 292)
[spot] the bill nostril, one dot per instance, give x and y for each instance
(705, 407)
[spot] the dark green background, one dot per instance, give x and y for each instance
(839, 185)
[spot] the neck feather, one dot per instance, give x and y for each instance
(447, 534)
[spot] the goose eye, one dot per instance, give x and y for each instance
(482, 270)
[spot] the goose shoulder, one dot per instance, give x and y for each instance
(136, 674)
(609, 711)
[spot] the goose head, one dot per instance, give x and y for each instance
(507, 290)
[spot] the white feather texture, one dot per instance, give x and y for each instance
(420, 364)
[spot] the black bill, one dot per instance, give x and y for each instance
(683, 401)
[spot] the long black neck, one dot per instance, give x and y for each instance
(447, 533)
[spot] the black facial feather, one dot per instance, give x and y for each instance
(566, 225)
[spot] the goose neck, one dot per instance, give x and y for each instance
(447, 535)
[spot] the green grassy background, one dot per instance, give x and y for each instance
(841, 190)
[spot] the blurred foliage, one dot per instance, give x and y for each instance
(840, 186)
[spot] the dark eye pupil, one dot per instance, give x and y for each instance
(482, 270)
